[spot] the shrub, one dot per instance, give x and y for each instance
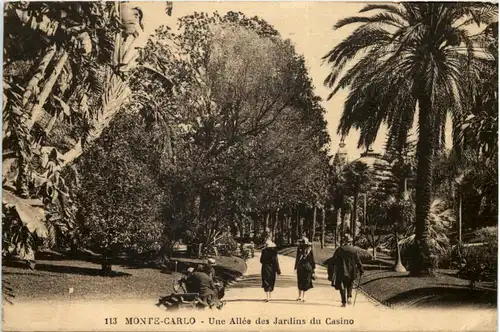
(440, 220)
(480, 259)
(363, 242)
(364, 255)
(232, 245)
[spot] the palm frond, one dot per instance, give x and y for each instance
(362, 38)
(381, 18)
(394, 9)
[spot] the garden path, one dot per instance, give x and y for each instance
(245, 306)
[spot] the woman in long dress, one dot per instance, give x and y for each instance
(270, 268)
(304, 266)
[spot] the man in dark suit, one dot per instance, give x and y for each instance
(343, 269)
(201, 283)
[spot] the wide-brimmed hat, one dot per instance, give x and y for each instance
(211, 261)
(347, 238)
(303, 239)
(270, 244)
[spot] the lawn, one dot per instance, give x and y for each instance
(398, 289)
(320, 255)
(52, 279)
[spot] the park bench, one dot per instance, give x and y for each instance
(176, 301)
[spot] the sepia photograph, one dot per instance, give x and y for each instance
(249, 166)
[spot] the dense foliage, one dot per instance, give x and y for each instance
(416, 56)
(231, 137)
(214, 132)
(62, 87)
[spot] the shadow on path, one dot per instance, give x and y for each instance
(282, 301)
(255, 281)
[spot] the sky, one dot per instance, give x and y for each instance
(307, 24)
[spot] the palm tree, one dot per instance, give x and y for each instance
(417, 56)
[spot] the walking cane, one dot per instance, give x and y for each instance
(355, 295)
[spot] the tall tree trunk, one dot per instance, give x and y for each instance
(338, 223)
(255, 226)
(297, 226)
(281, 223)
(267, 223)
(301, 228)
(374, 242)
(313, 233)
(289, 229)
(341, 235)
(459, 220)
(263, 223)
(421, 261)
(353, 218)
(275, 224)
(398, 267)
(323, 227)
(364, 209)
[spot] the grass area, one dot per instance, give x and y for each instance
(52, 279)
(398, 289)
(320, 255)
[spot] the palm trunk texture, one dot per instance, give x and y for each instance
(421, 260)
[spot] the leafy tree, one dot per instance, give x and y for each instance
(417, 54)
(241, 114)
(479, 130)
(120, 200)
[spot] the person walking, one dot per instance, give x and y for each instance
(343, 269)
(304, 267)
(270, 268)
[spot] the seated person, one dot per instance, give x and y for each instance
(188, 281)
(209, 268)
(199, 282)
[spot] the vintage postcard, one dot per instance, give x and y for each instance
(249, 166)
